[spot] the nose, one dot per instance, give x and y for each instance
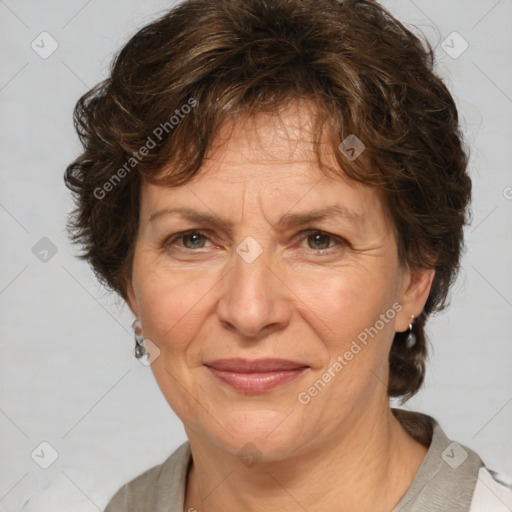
(255, 301)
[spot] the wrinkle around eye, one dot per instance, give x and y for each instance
(174, 244)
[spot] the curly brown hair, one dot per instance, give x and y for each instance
(181, 77)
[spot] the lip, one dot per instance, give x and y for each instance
(255, 376)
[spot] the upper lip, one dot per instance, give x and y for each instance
(240, 365)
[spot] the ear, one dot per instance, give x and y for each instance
(415, 291)
(130, 298)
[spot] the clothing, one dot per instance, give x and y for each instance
(451, 478)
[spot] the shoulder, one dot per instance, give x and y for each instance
(493, 492)
(164, 483)
(452, 476)
(136, 494)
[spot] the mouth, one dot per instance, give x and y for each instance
(255, 376)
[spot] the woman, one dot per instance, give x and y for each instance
(278, 190)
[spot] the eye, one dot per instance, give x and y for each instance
(321, 241)
(190, 239)
(318, 241)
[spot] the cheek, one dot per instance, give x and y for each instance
(353, 341)
(172, 311)
(345, 301)
(353, 314)
(171, 305)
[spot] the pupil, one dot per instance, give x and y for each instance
(193, 238)
(318, 240)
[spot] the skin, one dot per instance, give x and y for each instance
(305, 298)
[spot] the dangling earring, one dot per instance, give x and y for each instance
(140, 350)
(411, 338)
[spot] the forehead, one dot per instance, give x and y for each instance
(265, 140)
(267, 163)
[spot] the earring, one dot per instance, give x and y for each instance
(411, 338)
(140, 350)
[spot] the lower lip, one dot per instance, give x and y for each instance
(259, 381)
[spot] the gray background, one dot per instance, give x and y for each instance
(68, 376)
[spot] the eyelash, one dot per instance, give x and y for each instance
(179, 236)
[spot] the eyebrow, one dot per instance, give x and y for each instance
(286, 221)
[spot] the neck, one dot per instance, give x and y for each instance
(366, 465)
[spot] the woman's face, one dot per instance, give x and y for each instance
(254, 279)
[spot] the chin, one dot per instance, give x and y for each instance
(267, 434)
